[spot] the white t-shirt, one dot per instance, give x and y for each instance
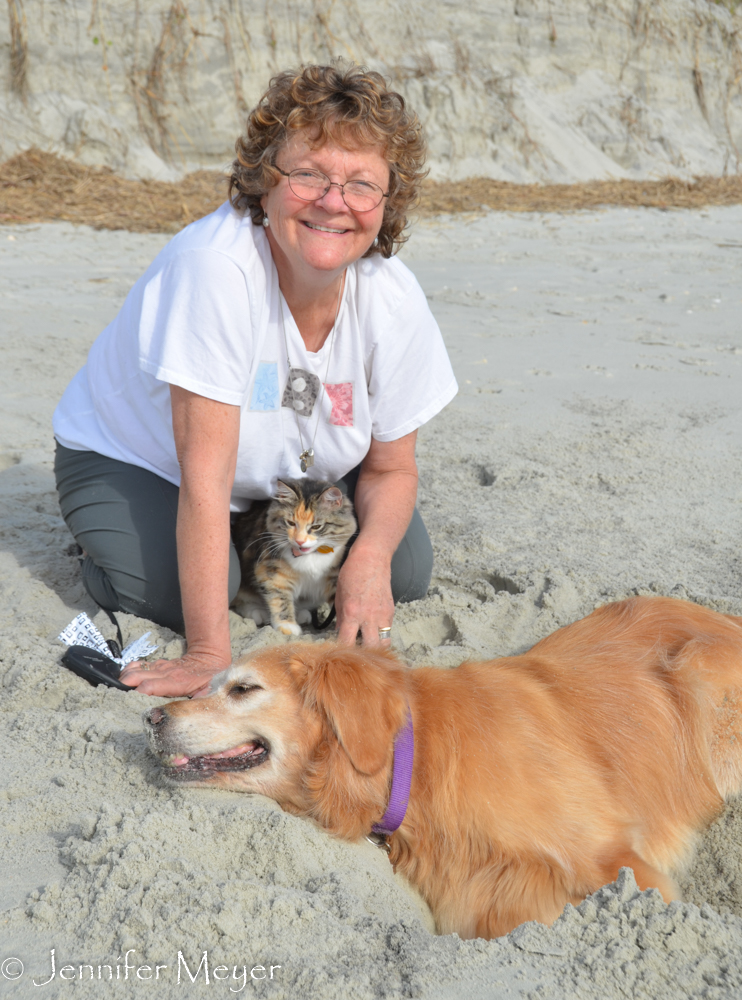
(205, 316)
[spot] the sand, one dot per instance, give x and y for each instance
(594, 452)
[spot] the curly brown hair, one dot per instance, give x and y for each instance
(344, 103)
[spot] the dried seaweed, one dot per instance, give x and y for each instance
(481, 193)
(38, 187)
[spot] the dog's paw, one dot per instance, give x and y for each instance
(304, 616)
(288, 628)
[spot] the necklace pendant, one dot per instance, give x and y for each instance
(306, 459)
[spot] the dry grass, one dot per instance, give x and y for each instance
(40, 187)
(472, 195)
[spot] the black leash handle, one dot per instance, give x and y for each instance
(115, 647)
(321, 626)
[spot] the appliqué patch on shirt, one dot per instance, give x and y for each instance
(341, 397)
(265, 388)
(302, 389)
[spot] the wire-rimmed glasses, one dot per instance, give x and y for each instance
(310, 185)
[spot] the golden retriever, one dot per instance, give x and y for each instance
(536, 777)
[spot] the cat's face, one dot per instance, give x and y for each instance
(313, 517)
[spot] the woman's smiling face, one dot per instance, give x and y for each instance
(323, 235)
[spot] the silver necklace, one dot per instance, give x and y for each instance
(306, 458)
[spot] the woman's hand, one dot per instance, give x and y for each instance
(363, 600)
(384, 502)
(189, 675)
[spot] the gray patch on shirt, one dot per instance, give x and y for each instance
(301, 392)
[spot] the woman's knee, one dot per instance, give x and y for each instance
(156, 600)
(98, 585)
(124, 519)
(412, 563)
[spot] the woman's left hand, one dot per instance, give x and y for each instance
(363, 599)
(384, 502)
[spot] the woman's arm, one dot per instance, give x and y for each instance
(384, 501)
(206, 437)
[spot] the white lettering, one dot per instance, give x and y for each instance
(67, 968)
(157, 970)
(220, 968)
(203, 963)
(253, 970)
(87, 967)
(126, 963)
(274, 967)
(144, 968)
(236, 978)
(51, 976)
(110, 971)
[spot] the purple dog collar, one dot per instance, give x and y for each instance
(399, 797)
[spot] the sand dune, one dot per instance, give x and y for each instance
(517, 90)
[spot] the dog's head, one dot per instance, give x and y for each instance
(311, 725)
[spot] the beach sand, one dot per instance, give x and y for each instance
(594, 451)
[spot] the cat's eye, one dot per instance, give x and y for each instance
(238, 690)
(315, 527)
(289, 523)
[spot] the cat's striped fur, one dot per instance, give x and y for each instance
(290, 550)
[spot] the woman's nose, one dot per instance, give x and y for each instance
(332, 200)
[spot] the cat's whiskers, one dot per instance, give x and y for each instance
(261, 537)
(277, 546)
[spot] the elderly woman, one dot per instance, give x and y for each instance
(183, 411)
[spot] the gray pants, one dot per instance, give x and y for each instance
(124, 519)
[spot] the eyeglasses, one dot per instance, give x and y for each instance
(311, 185)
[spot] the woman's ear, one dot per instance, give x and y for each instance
(360, 695)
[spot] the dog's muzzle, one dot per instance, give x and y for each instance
(181, 766)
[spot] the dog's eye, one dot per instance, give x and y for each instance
(238, 690)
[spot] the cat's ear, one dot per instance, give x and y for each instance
(332, 498)
(284, 492)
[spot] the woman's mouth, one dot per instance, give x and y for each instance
(325, 229)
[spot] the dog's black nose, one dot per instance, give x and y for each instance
(155, 716)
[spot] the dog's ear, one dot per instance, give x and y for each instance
(360, 695)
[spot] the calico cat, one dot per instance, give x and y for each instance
(290, 550)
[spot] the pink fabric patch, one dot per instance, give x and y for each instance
(341, 397)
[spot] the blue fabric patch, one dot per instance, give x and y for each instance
(265, 388)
